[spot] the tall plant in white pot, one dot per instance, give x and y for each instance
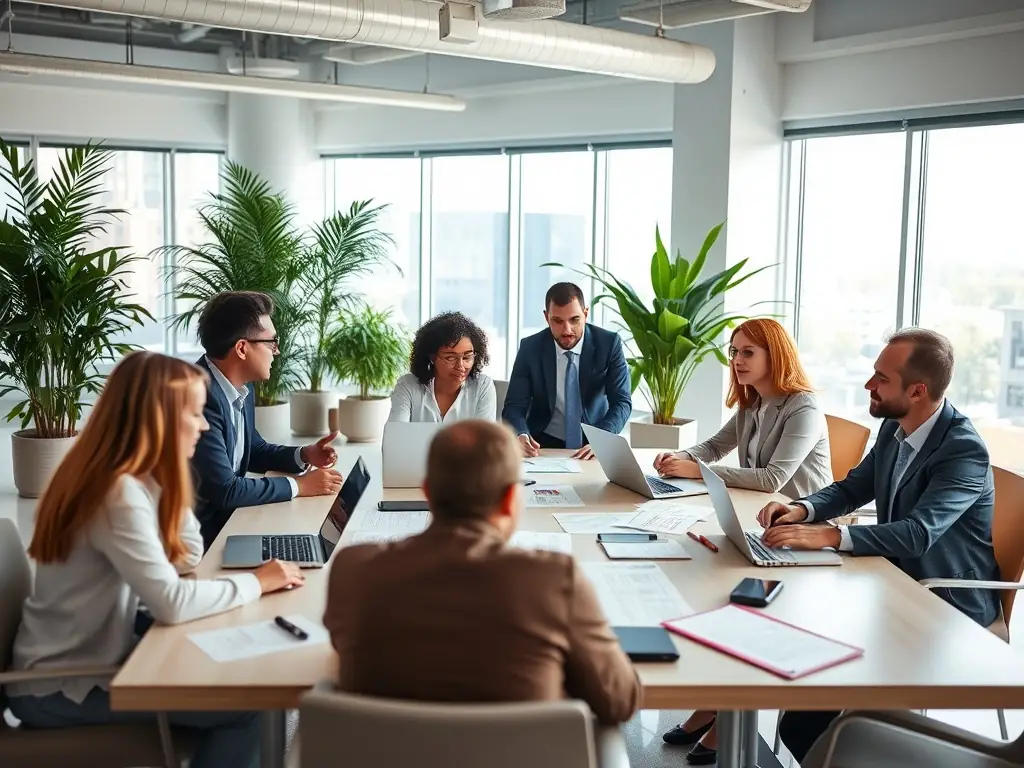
(64, 303)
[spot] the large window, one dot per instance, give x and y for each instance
(5, 192)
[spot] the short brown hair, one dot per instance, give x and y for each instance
(470, 467)
(562, 295)
(930, 362)
(231, 316)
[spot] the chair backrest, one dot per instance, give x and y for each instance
(846, 443)
(500, 388)
(1008, 531)
(365, 732)
(15, 586)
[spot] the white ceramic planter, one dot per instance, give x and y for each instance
(309, 413)
(272, 422)
(664, 437)
(362, 421)
(35, 460)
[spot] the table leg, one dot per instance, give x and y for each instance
(730, 743)
(748, 736)
(272, 738)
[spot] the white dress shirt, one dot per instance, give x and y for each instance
(556, 427)
(236, 399)
(915, 440)
(413, 401)
(82, 611)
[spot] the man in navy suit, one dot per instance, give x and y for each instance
(572, 374)
(239, 338)
(930, 478)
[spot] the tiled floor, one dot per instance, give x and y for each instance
(644, 731)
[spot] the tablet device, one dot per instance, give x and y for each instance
(647, 643)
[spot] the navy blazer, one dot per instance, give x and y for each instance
(940, 523)
(221, 490)
(604, 383)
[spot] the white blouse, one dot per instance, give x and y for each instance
(412, 401)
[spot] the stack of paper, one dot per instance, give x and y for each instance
(553, 542)
(550, 465)
(372, 526)
(592, 522)
(635, 594)
(666, 517)
(552, 496)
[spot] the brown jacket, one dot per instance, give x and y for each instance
(456, 615)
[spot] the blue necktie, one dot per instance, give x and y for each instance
(573, 405)
(903, 457)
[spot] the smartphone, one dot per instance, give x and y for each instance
(627, 538)
(402, 506)
(756, 593)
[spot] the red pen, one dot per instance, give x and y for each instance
(700, 538)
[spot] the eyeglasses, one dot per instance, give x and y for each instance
(746, 354)
(451, 360)
(272, 343)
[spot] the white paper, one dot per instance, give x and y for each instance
(667, 549)
(392, 522)
(635, 594)
(549, 464)
(553, 542)
(675, 518)
(592, 522)
(553, 496)
(258, 639)
(377, 537)
(762, 641)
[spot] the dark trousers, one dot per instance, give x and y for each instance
(547, 441)
(799, 730)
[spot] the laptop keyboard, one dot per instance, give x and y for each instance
(291, 549)
(767, 554)
(660, 486)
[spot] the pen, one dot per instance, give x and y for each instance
(290, 628)
(700, 538)
(529, 482)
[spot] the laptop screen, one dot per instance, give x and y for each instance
(344, 505)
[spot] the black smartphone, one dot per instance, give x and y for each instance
(627, 538)
(402, 506)
(756, 593)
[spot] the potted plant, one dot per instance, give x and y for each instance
(64, 303)
(345, 245)
(673, 336)
(254, 246)
(368, 350)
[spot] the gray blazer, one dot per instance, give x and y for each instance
(792, 447)
(940, 523)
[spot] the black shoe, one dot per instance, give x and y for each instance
(677, 737)
(701, 755)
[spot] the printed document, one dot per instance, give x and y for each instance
(665, 549)
(635, 594)
(551, 465)
(592, 522)
(406, 523)
(554, 542)
(552, 496)
(258, 639)
(667, 518)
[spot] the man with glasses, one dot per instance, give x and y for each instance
(238, 335)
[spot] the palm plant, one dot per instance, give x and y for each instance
(683, 326)
(368, 350)
(64, 301)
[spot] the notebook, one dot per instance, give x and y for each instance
(659, 549)
(765, 642)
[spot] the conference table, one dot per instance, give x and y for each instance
(919, 652)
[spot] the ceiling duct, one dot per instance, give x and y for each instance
(673, 14)
(413, 25)
(522, 9)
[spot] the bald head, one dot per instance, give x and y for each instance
(472, 470)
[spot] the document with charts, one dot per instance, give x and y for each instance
(635, 594)
(552, 496)
(667, 517)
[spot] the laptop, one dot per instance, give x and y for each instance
(306, 550)
(620, 465)
(749, 542)
(404, 452)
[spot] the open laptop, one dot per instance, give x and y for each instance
(306, 550)
(749, 542)
(404, 452)
(620, 465)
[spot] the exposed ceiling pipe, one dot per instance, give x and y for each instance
(365, 54)
(413, 25)
(190, 33)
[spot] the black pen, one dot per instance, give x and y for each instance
(290, 628)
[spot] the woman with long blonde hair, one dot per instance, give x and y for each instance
(781, 437)
(115, 530)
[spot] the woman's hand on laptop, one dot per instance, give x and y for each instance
(673, 465)
(319, 482)
(275, 575)
(777, 513)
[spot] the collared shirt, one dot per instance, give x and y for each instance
(755, 438)
(413, 401)
(236, 399)
(556, 427)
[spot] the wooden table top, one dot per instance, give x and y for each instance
(919, 651)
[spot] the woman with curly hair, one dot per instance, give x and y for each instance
(445, 382)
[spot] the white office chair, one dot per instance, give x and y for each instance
(500, 389)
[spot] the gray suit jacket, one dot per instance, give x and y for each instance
(792, 451)
(940, 522)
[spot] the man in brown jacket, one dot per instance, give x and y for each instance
(456, 615)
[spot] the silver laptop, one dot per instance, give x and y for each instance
(620, 465)
(306, 550)
(404, 452)
(749, 542)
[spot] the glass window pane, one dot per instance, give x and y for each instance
(853, 203)
(394, 182)
(5, 192)
(557, 204)
(135, 184)
(972, 286)
(469, 245)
